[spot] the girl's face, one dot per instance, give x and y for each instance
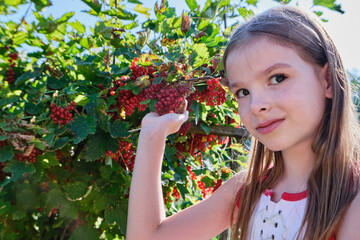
(281, 97)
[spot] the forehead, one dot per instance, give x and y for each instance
(254, 58)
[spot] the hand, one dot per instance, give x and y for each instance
(167, 124)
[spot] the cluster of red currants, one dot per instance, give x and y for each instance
(138, 70)
(127, 100)
(205, 190)
(10, 74)
(125, 156)
(176, 194)
(62, 116)
(201, 185)
(184, 129)
(214, 93)
(31, 158)
(198, 143)
(191, 173)
(170, 98)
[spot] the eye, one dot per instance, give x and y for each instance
(242, 93)
(276, 79)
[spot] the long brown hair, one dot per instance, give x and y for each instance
(334, 180)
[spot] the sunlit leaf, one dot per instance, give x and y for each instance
(94, 4)
(329, 4)
(192, 4)
(143, 10)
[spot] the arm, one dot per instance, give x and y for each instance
(349, 228)
(146, 215)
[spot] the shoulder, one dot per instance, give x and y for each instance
(231, 187)
(349, 228)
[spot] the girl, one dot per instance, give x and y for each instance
(303, 179)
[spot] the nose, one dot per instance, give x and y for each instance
(259, 103)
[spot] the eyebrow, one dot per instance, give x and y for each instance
(273, 67)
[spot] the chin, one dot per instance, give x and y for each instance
(273, 147)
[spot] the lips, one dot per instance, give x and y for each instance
(269, 125)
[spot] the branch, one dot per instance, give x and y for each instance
(221, 131)
(215, 130)
(23, 18)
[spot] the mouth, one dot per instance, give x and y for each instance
(268, 126)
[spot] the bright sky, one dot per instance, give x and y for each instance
(343, 28)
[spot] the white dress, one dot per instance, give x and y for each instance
(281, 220)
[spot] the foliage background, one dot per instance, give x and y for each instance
(71, 180)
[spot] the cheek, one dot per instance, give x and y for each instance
(244, 116)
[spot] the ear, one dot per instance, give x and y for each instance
(325, 77)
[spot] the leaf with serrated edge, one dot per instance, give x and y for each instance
(82, 126)
(98, 144)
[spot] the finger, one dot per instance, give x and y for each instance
(153, 114)
(184, 116)
(182, 107)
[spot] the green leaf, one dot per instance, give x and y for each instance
(254, 2)
(208, 181)
(192, 4)
(98, 144)
(3, 137)
(224, 3)
(118, 128)
(76, 190)
(117, 215)
(77, 26)
(196, 107)
(82, 126)
(41, 4)
(120, 13)
(84, 42)
(245, 13)
(56, 83)
(64, 18)
(55, 198)
(34, 109)
(100, 203)
(12, 2)
(211, 11)
(134, 1)
(85, 232)
(201, 50)
(60, 143)
(4, 207)
(27, 199)
(170, 153)
(94, 4)
(81, 100)
(107, 32)
(180, 173)
(28, 75)
(105, 172)
(200, 54)
(49, 139)
(328, 4)
(283, 1)
(18, 169)
(183, 190)
(19, 37)
(143, 10)
(206, 128)
(6, 153)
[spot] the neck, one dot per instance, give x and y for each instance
(298, 164)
